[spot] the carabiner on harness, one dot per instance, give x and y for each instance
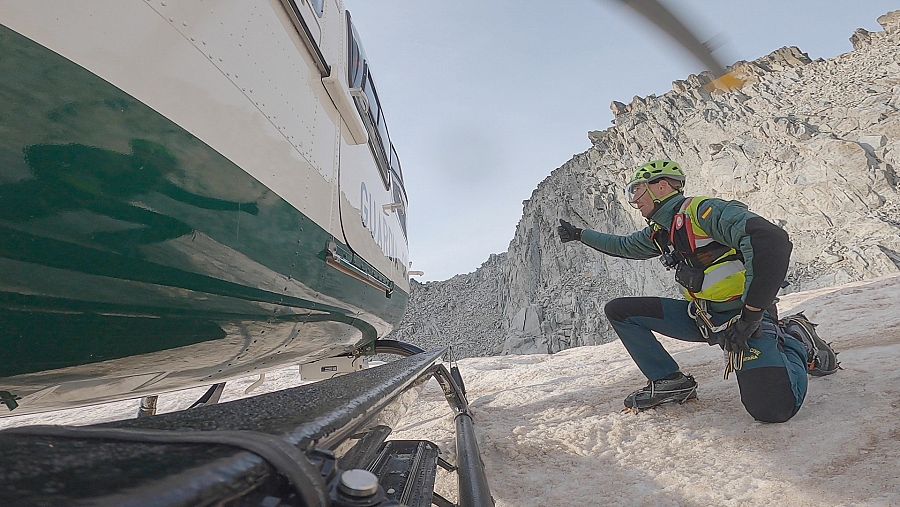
(668, 256)
(697, 310)
(734, 361)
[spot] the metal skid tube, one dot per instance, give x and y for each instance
(308, 422)
(308, 418)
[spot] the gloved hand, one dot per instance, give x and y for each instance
(738, 334)
(568, 232)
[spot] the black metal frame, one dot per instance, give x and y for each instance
(284, 445)
(147, 408)
(472, 481)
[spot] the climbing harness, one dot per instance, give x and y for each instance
(697, 310)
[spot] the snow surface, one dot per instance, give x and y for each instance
(552, 432)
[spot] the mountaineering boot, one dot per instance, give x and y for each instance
(821, 358)
(680, 389)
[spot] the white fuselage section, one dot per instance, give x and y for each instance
(238, 75)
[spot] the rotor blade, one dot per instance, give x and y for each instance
(654, 12)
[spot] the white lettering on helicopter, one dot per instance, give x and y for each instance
(375, 220)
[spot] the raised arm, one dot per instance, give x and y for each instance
(635, 246)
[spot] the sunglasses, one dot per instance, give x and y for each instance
(635, 191)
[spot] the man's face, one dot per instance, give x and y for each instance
(643, 198)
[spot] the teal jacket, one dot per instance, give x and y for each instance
(765, 247)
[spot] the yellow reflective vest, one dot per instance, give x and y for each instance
(725, 276)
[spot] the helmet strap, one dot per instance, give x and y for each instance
(657, 201)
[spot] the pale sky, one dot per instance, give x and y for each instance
(485, 98)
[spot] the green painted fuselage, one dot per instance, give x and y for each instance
(135, 259)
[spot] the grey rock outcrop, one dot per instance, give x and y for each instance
(813, 146)
(461, 312)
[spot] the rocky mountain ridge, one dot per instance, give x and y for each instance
(813, 146)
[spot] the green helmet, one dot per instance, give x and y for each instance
(652, 171)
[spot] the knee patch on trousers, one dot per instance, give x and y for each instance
(620, 309)
(767, 394)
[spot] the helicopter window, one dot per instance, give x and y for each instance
(398, 189)
(395, 164)
(399, 198)
(378, 142)
(318, 6)
(383, 134)
(372, 96)
(355, 67)
(359, 75)
(356, 58)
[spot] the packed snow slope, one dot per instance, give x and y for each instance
(552, 434)
(551, 430)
